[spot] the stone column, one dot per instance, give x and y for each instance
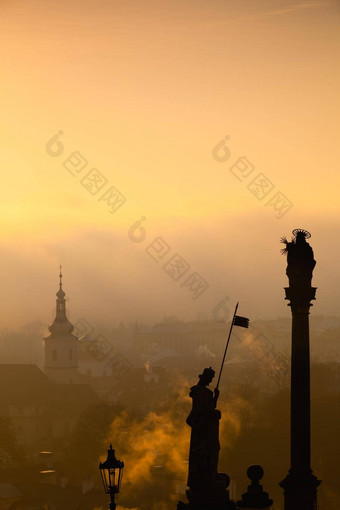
(300, 485)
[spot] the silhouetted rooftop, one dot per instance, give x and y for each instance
(25, 385)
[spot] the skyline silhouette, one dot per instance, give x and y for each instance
(152, 155)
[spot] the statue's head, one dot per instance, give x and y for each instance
(207, 375)
(301, 235)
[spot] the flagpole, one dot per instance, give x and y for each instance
(226, 347)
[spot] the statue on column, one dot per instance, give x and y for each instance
(300, 258)
(204, 422)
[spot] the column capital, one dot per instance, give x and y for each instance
(300, 298)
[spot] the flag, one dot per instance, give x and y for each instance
(241, 321)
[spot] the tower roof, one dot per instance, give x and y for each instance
(60, 293)
(61, 325)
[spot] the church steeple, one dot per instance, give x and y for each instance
(61, 324)
(61, 346)
(61, 280)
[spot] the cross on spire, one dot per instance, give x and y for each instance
(60, 277)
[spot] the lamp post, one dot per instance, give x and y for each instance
(111, 472)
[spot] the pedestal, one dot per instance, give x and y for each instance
(209, 496)
(255, 498)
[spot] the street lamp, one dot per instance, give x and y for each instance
(111, 472)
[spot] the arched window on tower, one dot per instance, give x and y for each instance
(70, 354)
(54, 355)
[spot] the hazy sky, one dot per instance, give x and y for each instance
(143, 92)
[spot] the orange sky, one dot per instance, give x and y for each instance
(145, 91)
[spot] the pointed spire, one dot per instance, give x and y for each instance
(60, 293)
(61, 324)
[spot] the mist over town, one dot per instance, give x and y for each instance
(169, 322)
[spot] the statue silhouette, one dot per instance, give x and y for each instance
(204, 422)
(300, 259)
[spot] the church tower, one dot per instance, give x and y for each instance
(61, 356)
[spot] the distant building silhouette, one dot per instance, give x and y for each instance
(61, 346)
(40, 410)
